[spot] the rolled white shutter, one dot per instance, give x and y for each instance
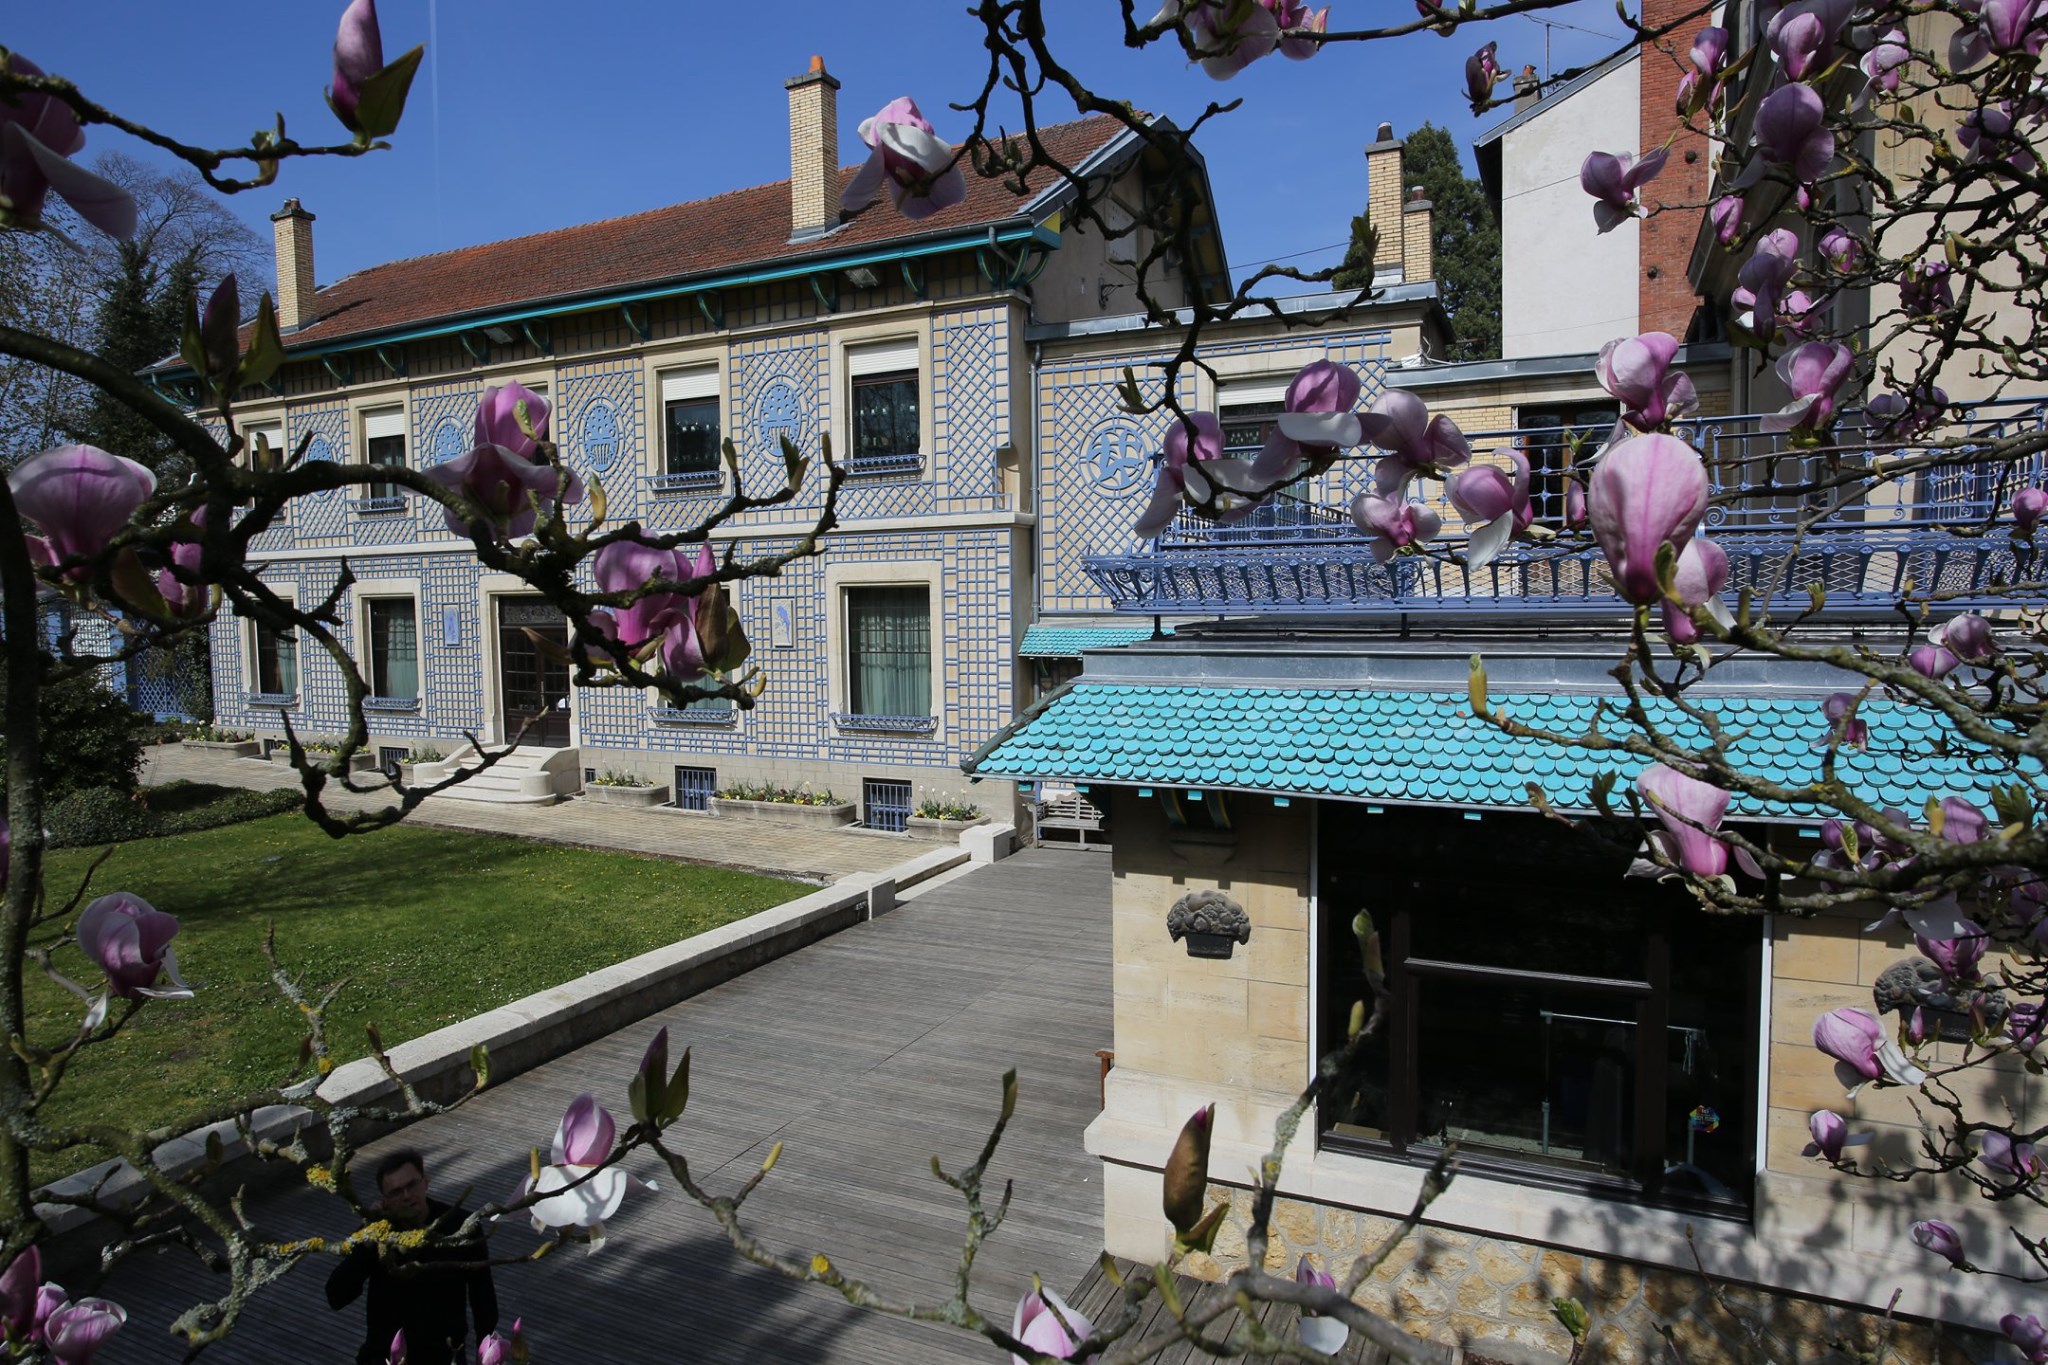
(884, 357)
(1244, 392)
(391, 423)
(271, 432)
(679, 386)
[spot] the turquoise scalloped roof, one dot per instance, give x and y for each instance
(1426, 747)
(1067, 642)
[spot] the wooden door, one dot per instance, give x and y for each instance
(529, 682)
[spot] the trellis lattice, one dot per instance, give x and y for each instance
(599, 425)
(324, 515)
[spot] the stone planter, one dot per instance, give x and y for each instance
(239, 748)
(783, 813)
(945, 831)
(625, 796)
(280, 752)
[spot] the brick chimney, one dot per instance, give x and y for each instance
(293, 233)
(813, 150)
(1384, 200)
(1418, 241)
(1665, 300)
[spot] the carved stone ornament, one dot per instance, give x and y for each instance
(1914, 982)
(1210, 921)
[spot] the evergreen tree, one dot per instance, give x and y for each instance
(140, 321)
(1465, 238)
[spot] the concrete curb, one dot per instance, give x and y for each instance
(520, 1036)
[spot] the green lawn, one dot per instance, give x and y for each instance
(430, 926)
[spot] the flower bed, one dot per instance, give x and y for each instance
(618, 794)
(935, 827)
(785, 812)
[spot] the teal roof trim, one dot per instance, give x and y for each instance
(1425, 748)
(1067, 642)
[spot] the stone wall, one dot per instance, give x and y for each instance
(1462, 1287)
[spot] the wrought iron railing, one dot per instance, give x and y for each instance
(1932, 533)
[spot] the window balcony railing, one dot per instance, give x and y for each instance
(383, 504)
(694, 715)
(1302, 554)
(398, 704)
(886, 725)
(691, 481)
(880, 466)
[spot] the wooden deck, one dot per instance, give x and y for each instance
(866, 1054)
(1096, 1295)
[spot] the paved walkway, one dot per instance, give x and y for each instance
(815, 855)
(866, 1054)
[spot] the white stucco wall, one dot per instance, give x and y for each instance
(1564, 287)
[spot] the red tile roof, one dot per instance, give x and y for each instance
(724, 232)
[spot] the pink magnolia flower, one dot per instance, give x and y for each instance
(1415, 442)
(1192, 467)
(1648, 491)
(1792, 132)
(2027, 506)
(2000, 1153)
(1317, 419)
(1614, 181)
(1048, 1325)
(49, 1298)
(396, 1355)
(499, 1349)
(1852, 1037)
(1710, 50)
(1575, 505)
(130, 940)
(919, 168)
(1813, 374)
(39, 134)
(1726, 216)
(1698, 578)
(1932, 661)
(2028, 1334)
(1297, 22)
(1986, 134)
(80, 497)
(184, 593)
(1999, 27)
(358, 55)
(1956, 957)
(1762, 281)
(1927, 289)
(219, 330)
(1482, 73)
(1690, 811)
(1495, 505)
(1968, 636)
(628, 566)
(1844, 728)
(1393, 522)
(18, 1286)
(574, 1193)
(76, 1332)
(1841, 251)
(1885, 63)
(1637, 371)
(497, 420)
(1317, 1332)
(505, 474)
(1895, 417)
(1802, 35)
(1941, 1239)
(1963, 823)
(1873, 847)
(1830, 1135)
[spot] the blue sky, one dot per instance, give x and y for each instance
(531, 116)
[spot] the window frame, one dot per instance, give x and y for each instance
(869, 362)
(703, 384)
(378, 496)
(1547, 481)
(1649, 994)
(379, 665)
(253, 632)
(925, 575)
(368, 592)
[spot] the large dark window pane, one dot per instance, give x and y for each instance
(1560, 439)
(888, 647)
(385, 450)
(394, 648)
(692, 436)
(885, 416)
(277, 662)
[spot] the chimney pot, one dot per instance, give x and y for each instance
(1386, 133)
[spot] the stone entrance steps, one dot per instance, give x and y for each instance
(524, 777)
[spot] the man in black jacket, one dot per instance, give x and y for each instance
(408, 1291)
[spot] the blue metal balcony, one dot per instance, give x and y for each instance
(1302, 554)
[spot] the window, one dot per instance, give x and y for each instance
(394, 648)
(885, 804)
(1563, 1025)
(1249, 412)
(384, 444)
(690, 431)
(887, 438)
(889, 651)
(277, 661)
(694, 787)
(267, 437)
(1557, 439)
